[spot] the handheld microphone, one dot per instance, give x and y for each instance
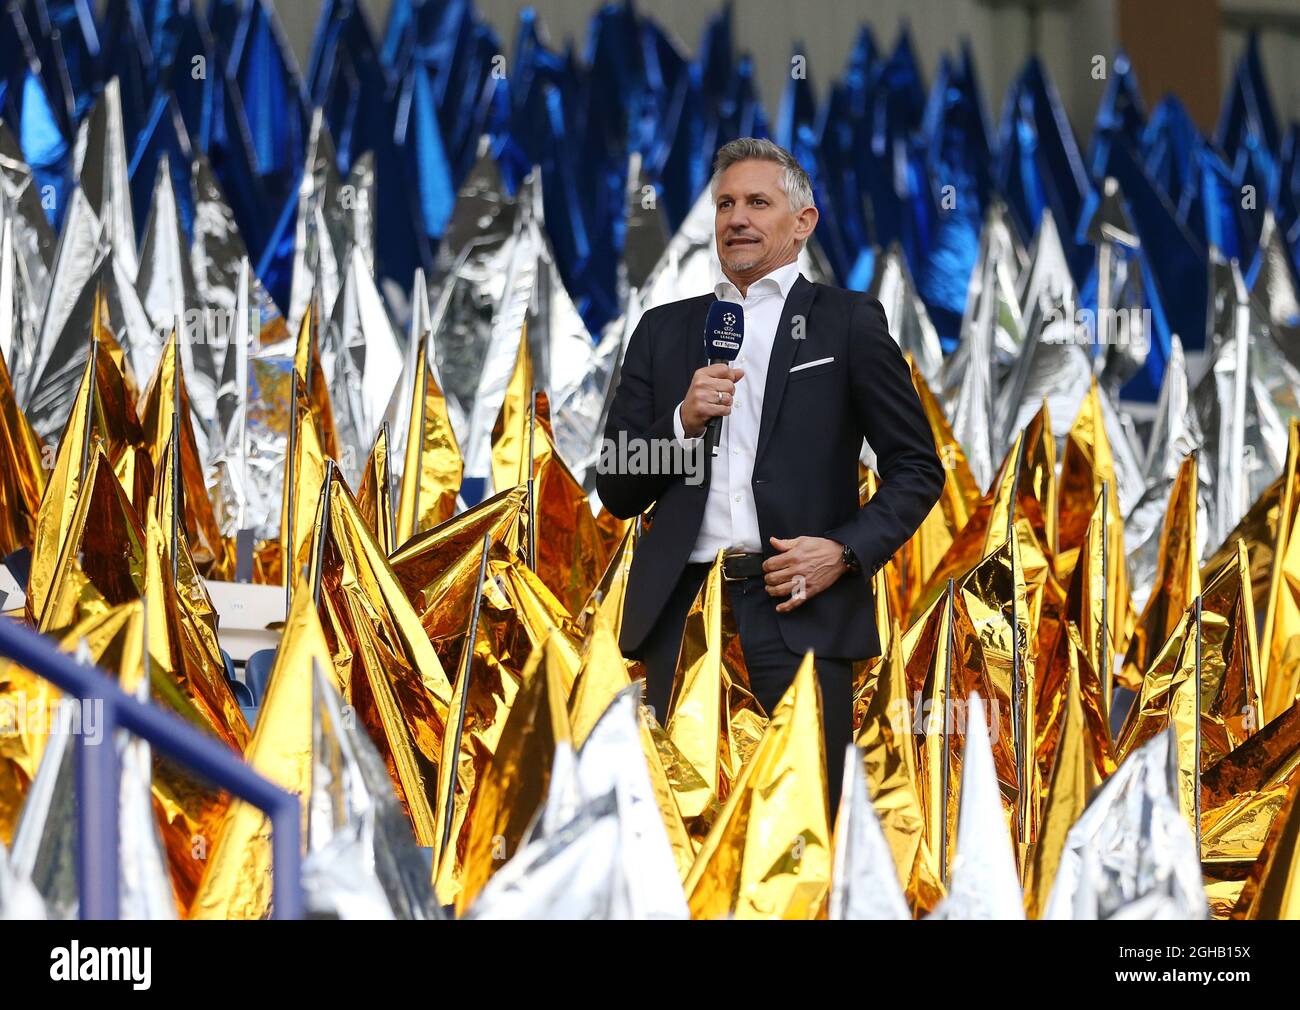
(724, 332)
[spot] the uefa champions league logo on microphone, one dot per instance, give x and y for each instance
(729, 319)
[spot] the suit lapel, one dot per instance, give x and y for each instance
(784, 345)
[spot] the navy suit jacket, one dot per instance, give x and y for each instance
(805, 479)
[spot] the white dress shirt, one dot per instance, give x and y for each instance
(730, 517)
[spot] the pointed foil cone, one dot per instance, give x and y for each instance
(19, 317)
(1121, 298)
(34, 239)
(90, 575)
(1175, 431)
(398, 686)
(514, 433)
(102, 169)
(909, 323)
(166, 404)
(1272, 891)
(1231, 685)
(437, 569)
(768, 854)
(630, 875)
(310, 371)
(602, 676)
(1242, 794)
(1177, 581)
(362, 339)
(168, 290)
(362, 860)
(325, 229)
(569, 553)
(420, 332)
(713, 719)
(970, 379)
(928, 654)
(45, 843)
(1273, 540)
(518, 776)
(605, 604)
(1092, 612)
(304, 475)
(432, 465)
(27, 708)
(1131, 842)
(1275, 287)
(983, 882)
(22, 471)
(864, 881)
(236, 880)
(887, 742)
(1072, 779)
(1027, 488)
(1087, 467)
(375, 495)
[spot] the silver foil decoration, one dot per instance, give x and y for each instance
(19, 899)
(598, 848)
(362, 860)
(983, 881)
(647, 232)
(864, 880)
(45, 841)
(970, 406)
(1131, 854)
(326, 225)
(1119, 325)
(1275, 287)
(228, 474)
(34, 240)
(166, 286)
(102, 169)
(17, 324)
(909, 323)
(398, 414)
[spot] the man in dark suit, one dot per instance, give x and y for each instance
(817, 373)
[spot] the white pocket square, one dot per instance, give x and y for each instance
(809, 364)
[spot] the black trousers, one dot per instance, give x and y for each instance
(771, 664)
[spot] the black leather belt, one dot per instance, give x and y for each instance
(742, 566)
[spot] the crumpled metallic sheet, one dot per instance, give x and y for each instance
(1272, 891)
(1275, 288)
(1073, 774)
(302, 484)
(984, 882)
(269, 413)
(45, 843)
(168, 291)
(647, 232)
(1119, 288)
(1243, 793)
(1046, 281)
(1237, 407)
(1231, 682)
(605, 604)
(236, 881)
(324, 231)
(472, 277)
(375, 494)
(1131, 841)
(398, 413)
(398, 685)
(864, 881)
(641, 881)
(968, 375)
(102, 169)
(713, 718)
(569, 551)
(227, 463)
(888, 752)
(19, 899)
(768, 855)
(360, 330)
(27, 706)
(1054, 367)
(601, 677)
(18, 318)
(34, 239)
(909, 323)
(362, 861)
(516, 781)
(22, 472)
(689, 265)
(1175, 431)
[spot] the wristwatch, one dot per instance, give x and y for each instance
(849, 559)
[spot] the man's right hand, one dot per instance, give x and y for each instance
(701, 403)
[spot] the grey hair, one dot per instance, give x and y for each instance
(794, 180)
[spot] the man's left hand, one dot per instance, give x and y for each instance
(803, 567)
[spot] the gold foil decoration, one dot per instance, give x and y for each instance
(398, 686)
(307, 367)
(1272, 891)
(606, 600)
(713, 719)
(768, 855)
(27, 711)
(888, 750)
(522, 418)
(516, 781)
(236, 880)
(166, 404)
(1177, 581)
(433, 467)
(304, 477)
(375, 495)
(1280, 641)
(22, 472)
(601, 677)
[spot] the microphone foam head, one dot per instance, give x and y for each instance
(724, 331)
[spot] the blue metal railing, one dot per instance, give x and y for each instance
(97, 774)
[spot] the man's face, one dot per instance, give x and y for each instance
(755, 229)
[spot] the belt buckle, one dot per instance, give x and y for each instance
(731, 578)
